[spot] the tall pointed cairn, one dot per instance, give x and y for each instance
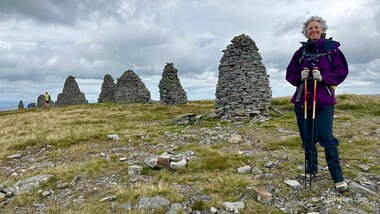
(171, 91)
(20, 105)
(107, 93)
(243, 89)
(71, 94)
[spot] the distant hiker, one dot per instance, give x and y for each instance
(318, 59)
(47, 99)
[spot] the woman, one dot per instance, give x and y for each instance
(318, 59)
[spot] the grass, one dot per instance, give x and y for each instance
(72, 138)
(367, 104)
(132, 192)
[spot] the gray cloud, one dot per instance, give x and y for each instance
(44, 41)
(67, 12)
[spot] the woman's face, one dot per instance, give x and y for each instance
(314, 31)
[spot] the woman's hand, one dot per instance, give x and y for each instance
(305, 74)
(317, 75)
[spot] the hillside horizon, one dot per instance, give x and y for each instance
(7, 105)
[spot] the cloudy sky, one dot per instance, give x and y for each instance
(42, 42)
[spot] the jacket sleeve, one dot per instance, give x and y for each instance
(293, 71)
(339, 69)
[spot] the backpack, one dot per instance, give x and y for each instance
(327, 47)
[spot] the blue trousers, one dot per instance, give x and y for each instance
(323, 133)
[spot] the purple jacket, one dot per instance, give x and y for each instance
(330, 61)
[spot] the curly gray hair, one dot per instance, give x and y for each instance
(314, 18)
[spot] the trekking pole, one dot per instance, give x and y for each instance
(313, 122)
(305, 123)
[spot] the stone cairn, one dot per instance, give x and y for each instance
(171, 91)
(130, 89)
(243, 88)
(41, 101)
(107, 93)
(20, 105)
(71, 94)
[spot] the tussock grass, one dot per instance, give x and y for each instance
(229, 185)
(368, 104)
(134, 191)
(67, 171)
(216, 161)
(282, 103)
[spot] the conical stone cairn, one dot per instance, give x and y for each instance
(20, 105)
(171, 91)
(71, 94)
(107, 93)
(243, 88)
(130, 89)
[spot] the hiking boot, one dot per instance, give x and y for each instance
(341, 186)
